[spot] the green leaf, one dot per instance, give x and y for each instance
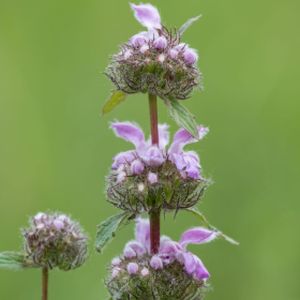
(206, 224)
(187, 24)
(115, 99)
(13, 260)
(107, 229)
(182, 116)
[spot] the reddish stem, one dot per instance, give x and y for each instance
(154, 215)
(45, 275)
(153, 119)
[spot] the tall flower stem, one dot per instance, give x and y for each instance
(154, 214)
(45, 275)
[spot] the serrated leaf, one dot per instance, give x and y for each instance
(107, 229)
(115, 99)
(187, 24)
(206, 224)
(182, 116)
(13, 260)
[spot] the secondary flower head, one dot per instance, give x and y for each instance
(54, 240)
(173, 263)
(155, 60)
(171, 174)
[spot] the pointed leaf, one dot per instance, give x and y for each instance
(182, 116)
(107, 229)
(115, 99)
(187, 24)
(205, 223)
(14, 261)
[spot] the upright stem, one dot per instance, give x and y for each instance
(153, 119)
(154, 214)
(45, 275)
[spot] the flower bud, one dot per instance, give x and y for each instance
(145, 272)
(160, 43)
(156, 263)
(132, 268)
(54, 240)
(190, 56)
(137, 167)
(152, 178)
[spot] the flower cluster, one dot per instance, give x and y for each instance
(54, 240)
(173, 261)
(172, 177)
(155, 61)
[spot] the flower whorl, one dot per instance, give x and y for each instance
(152, 176)
(155, 61)
(172, 273)
(54, 240)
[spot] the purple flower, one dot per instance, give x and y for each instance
(116, 261)
(146, 154)
(147, 15)
(170, 251)
(139, 39)
(132, 268)
(190, 56)
(160, 43)
(153, 156)
(173, 53)
(156, 262)
(152, 178)
(137, 167)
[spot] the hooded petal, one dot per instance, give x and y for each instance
(197, 235)
(129, 132)
(139, 39)
(188, 261)
(200, 272)
(142, 232)
(147, 15)
(152, 156)
(182, 137)
(123, 158)
(137, 247)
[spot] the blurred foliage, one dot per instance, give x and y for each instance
(56, 149)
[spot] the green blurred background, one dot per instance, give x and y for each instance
(56, 149)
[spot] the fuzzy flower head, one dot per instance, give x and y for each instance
(169, 175)
(54, 240)
(156, 60)
(172, 273)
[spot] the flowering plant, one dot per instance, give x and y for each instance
(150, 179)
(153, 177)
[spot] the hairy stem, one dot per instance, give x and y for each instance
(154, 214)
(45, 275)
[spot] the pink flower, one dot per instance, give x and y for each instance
(146, 154)
(170, 251)
(132, 268)
(190, 56)
(147, 15)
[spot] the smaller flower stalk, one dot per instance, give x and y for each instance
(52, 240)
(45, 276)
